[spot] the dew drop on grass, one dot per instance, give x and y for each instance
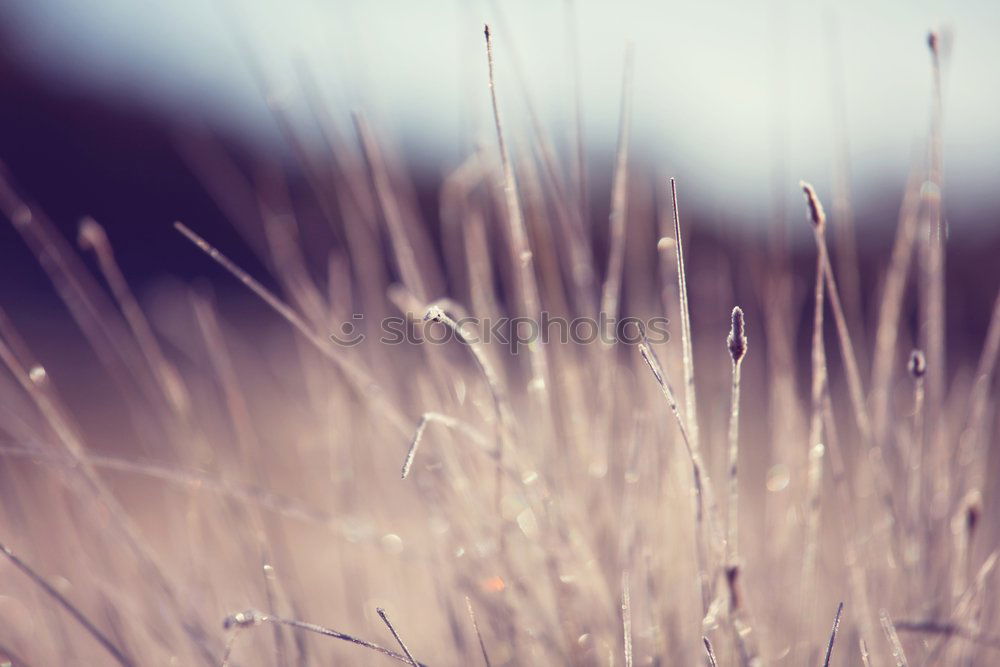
(777, 478)
(527, 523)
(37, 374)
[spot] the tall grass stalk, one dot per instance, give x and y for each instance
(833, 635)
(522, 256)
(854, 383)
(690, 400)
(737, 344)
(814, 473)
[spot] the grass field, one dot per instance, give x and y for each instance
(800, 473)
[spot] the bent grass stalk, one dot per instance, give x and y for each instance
(444, 420)
(854, 383)
(505, 419)
(504, 428)
(351, 369)
(708, 540)
(250, 618)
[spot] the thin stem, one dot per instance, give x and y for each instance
(445, 420)
(530, 301)
(627, 619)
(352, 370)
(77, 615)
(710, 651)
(707, 537)
(891, 305)
(890, 632)
(737, 342)
(854, 383)
(251, 618)
(479, 635)
(815, 472)
(399, 640)
(833, 635)
(93, 236)
(933, 302)
(691, 402)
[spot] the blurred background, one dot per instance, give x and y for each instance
(734, 98)
(103, 101)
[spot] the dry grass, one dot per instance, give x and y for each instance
(234, 462)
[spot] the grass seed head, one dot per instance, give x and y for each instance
(816, 212)
(737, 340)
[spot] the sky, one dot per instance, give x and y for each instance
(732, 98)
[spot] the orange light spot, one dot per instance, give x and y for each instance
(493, 585)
